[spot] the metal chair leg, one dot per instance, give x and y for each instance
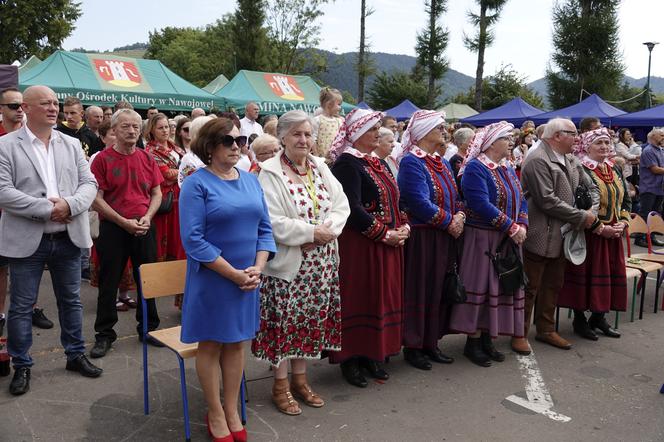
(185, 401)
(659, 283)
(643, 296)
(617, 315)
(634, 290)
(243, 404)
(557, 318)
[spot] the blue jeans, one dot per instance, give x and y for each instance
(64, 264)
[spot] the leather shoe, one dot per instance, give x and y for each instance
(40, 320)
(473, 351)
(351, 372)
(151, 341)
(415, 357)
(582, 329)
(600, 323)
(521, 346)
(20, 382)
(489, 349)
(375, 369)
(438, 356)
(554, 339)
(81, 364)
(101, 347)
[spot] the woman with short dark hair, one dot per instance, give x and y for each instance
(228, 239)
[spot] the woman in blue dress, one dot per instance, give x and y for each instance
(226, 233)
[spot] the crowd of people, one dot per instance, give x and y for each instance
(348, 238)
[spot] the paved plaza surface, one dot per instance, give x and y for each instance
(597, 391)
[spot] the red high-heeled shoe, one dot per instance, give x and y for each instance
(228, 438)
(239, 436)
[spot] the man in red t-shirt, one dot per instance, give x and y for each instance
(128, 198)
(12, 119)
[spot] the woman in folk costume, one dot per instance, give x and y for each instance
(430, 197)
(496, 210)
(599, 283)
(370, 249)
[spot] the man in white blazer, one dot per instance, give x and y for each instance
(46, 189)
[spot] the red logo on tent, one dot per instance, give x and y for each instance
(284, 86)
(118, 73)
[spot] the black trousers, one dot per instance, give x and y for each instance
(114, 246)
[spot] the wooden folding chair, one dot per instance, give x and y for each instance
(655, 225)
(638, 261)
(167, 279)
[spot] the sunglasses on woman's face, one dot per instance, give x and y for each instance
(228, 141)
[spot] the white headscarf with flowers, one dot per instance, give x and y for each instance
(583, 142)
(421, 123)
(484, 138)
(356, 124)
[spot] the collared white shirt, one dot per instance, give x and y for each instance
(452, 150)
(46, 160)
(533, 148)
(248, 127)
(559, 157)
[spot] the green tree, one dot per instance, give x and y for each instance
(294, 32)
(500, 88)
(365, 65)
(388, 90)
(586, 51)
(431, 43)
(487, 17)
(35, 27)
(250, 35)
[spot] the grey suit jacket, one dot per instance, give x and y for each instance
(25, 207)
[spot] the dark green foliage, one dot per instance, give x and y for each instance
(430, 47)
(500, 88)
(388, 90)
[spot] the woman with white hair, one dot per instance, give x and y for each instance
(371, 250)
(430, 198)
(384, 150)
(462, 138)
(496, 213)
(300, 301)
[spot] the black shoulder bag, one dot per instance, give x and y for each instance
(508, 266)
(454, 291)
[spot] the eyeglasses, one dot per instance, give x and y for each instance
(228, 141)
(185, 129)
(12, 106)
(569, 132)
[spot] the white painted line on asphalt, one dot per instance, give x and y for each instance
(539, 400)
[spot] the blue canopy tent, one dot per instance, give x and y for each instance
(402, 111)
(649, 117)
(593, 106)
(363, 105)
(515, 111)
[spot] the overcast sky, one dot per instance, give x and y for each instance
(523, 35)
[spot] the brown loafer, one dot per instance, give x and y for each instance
(521, 346)
(554, 339)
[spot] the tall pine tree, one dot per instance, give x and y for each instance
(430, 46)
(586, 53)
(250, 35)
(365, 65)
(488, 16)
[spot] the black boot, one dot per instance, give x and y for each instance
(375, 370)
(415, 357)
(581, 328)
(489, 349)
(473, 351)
(597, 320)
(351, 371)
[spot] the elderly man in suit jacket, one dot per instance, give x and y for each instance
(46, 189)
(549, 177)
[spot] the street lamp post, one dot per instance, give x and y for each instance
(650, 45)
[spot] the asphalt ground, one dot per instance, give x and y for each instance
(608, 390)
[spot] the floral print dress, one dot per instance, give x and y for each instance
(302, 318)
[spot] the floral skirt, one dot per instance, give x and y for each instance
(301, 318)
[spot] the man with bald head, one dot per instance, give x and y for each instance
(249, 125)
(94, 116)
(197, 112)
(46, 189)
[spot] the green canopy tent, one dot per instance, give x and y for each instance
(29, 64)
(273, 93)
(105, 79)
(216, 84)
(455, 111)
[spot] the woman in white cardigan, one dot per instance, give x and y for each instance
(300, 300)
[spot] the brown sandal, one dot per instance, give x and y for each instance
(302, 390)
(283, 399)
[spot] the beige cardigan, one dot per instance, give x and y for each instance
(289, 231)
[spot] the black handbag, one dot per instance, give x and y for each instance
(508, 266)
(582, 198)
(166, 203)
(454, 291)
